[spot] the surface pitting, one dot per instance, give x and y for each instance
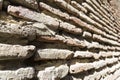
(59, 40)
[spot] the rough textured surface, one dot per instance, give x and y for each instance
(52, 73)
(20, 74)
(15, 51)
(15, 30)
(59, 40)
(53, 54)
(80, 67)
(28, 3)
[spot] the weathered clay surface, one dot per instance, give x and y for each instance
(80, 67)
(28, 3)
(53, 54)
(20, 74)
(15, 51)
(59, 40)
(18, 31)
(52, 73)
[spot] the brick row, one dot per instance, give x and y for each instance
(42, 54)
(74, 11)
(87, 54)
(19, 74)
(62, 39)
(15, 51)
(43, 18)
(76, 42)
(98, 10)
(107, 7)
(78, 6)
(53, 73)
(88, 7)
(91, 28)
(22, 32)
(111, 42)
(81, 67)
(67, 54)
(110, 30)
(18, 31)
(102, 74)
(113, 76)
(27, 3)
(43, 5)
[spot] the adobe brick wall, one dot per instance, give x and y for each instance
(59, 40)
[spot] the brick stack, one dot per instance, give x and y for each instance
(59, 40)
